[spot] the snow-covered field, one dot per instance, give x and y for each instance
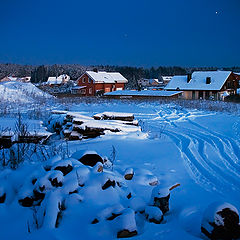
(198, 149)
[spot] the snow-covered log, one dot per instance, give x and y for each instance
(221, 221)
(114, 116)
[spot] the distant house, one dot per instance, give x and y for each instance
(9, 79)
(97, 83)
(166, 79)
(18, 79)
(205, 85)
(55, 81)
(26, 79)
(79, 90)
(143, 82)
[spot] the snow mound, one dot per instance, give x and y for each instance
(20, 92)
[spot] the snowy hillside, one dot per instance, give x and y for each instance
(20, 92)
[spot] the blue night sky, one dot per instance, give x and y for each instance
(127, 32)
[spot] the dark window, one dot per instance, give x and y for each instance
(207, 94)
(208, 80)
(193, 94)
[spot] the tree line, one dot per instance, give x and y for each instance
(42, 72)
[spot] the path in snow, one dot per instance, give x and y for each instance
(211, 158)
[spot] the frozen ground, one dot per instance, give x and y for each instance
(199, 150)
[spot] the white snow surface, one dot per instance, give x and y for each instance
(20, 92)
(34, 127)
(198, 149)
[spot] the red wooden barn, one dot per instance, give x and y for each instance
(96, 83)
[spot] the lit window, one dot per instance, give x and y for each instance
(90, 90)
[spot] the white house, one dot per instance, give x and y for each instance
(205, 85)
(64, 78)
(166, 79)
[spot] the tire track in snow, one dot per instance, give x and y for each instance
(193, 145)
(211, 158)
(201, 173)
(221, 146)
(224, 172)
(230, 142)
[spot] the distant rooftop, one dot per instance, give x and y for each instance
(149, 93)
(198, 81)
(106, 77)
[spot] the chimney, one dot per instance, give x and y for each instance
(208, 80)
(189, 77)
(95, 70)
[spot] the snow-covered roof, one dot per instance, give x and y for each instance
(151, 81)
(149, 93)
(54, 80)
(106, 77)
(78, 87)
(58, 80)
(12, 78)
(166, 78)
(198, 81)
